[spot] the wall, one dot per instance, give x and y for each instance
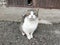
(48, 4)
(15, 14)
(51, 4)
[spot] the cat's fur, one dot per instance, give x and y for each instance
(29, 25)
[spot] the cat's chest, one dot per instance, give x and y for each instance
(30, 24)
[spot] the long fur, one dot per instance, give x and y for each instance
(29, 25)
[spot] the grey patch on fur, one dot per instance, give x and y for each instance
(27, 13)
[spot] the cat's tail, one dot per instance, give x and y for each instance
(44, 22)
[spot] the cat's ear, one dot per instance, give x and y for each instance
(26, 14)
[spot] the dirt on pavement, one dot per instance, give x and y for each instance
(44, 35)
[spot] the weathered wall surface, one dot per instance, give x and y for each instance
(15, 13)
(12, 14)
(52, 15)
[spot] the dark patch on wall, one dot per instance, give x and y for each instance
(39, 3)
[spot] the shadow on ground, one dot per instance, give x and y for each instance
(44, 35)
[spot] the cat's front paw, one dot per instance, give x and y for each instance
(30, 36)
(23, 33)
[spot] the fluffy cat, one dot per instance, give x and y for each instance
(30, 24)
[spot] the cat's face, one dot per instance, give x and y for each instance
(32, 16)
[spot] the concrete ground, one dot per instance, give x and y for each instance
(44, 35)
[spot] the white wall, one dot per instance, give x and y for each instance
(15, 13)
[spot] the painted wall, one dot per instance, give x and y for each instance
(15, 14)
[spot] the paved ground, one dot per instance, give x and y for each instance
(44, 35)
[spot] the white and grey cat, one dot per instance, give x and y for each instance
(29, 25)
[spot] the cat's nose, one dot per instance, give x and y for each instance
(31, 16)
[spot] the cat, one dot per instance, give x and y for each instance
(30, 24)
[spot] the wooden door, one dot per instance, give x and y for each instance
(48, 3)
(16, 3)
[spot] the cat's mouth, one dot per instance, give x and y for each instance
(32, 19)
